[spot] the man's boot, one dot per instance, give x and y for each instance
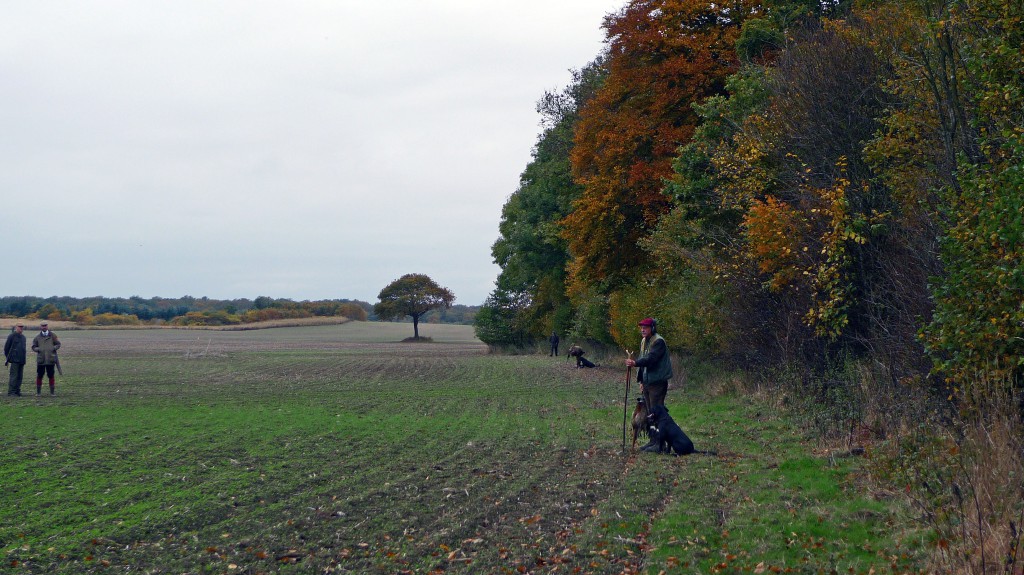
(652, 445)
(39, 385)
(52, 391)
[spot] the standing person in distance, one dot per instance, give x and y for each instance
(654, 367)
(14, 352)
(45, 345)
(553, 340)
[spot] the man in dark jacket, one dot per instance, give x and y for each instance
(553, 340)
(45, 345)
(14, 352)
(654, 368)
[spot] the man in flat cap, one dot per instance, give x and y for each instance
(45, 345)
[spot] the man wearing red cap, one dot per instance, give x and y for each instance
(654, 368)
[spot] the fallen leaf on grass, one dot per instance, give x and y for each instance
(289, 557)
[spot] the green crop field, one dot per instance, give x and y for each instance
(338, 449)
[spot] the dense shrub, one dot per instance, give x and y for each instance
(115, 319)
(352, 311)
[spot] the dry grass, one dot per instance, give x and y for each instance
(982, 533)
(965, 478)
(999, 489)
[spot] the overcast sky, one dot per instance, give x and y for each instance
(301, 150)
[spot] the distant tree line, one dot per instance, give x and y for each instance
(185, 310)
(188, 310)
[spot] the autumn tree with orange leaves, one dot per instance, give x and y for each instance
(663, 56)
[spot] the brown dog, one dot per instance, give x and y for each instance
(639, 420)
(577, 352)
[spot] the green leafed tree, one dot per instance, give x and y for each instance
(500, 321)
(531, 251)
(977, 333)
(412, 295)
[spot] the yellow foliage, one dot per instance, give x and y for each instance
(83, 317)
(773, 231)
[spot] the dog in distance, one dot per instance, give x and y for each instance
(577, 352)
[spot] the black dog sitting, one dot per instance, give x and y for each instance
(666, 435)
(581, 362)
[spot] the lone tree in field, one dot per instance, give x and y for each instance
(412, 295)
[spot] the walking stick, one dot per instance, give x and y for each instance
(625, 400)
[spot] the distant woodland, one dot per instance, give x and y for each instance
(189, 310)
